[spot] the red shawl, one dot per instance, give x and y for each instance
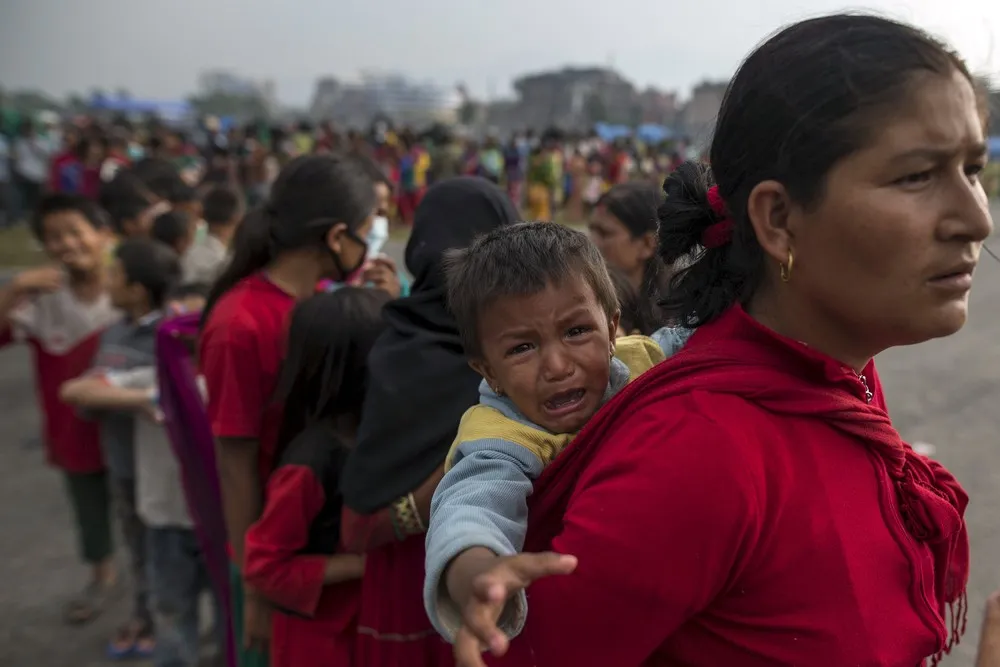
(737, 356)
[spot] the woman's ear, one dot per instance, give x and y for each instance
(769, 208)
(647, 245)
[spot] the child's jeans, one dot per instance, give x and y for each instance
(134, 531)
(177, 577)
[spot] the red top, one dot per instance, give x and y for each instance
(318, 622)
(743, 504)
(64, 334)
(275, 563)
(240, 351)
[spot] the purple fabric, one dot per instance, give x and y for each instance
(191, 437)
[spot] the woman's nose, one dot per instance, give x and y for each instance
(970, 218)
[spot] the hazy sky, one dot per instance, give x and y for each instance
(156, 49)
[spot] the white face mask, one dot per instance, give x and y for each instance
(378, 235)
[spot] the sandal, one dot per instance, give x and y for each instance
(89, 604)
(132, 640)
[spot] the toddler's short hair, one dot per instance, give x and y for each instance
(520, 260)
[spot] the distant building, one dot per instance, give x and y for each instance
(702, 110)
(575, 98)
(403, 101)
(328, 92)
(222, 82)
(659, 107)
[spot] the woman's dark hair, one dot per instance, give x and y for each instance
(324, 375)
(172, 227)
(220, 205)
(808, 97)
(182, 193)
(311, 195)
(635, 204)
(635, 308)
(160, 177)
(124, 197)
(151, 264)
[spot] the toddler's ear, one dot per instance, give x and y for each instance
(483, 368)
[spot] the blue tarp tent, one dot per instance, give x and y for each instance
(172, 110)
(609, 132)
(652, 133)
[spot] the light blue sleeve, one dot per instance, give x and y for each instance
(481, 502)
(672, 339)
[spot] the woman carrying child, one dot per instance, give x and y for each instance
(420, 385)
(312, 227)
(291, 551)
(749, 501)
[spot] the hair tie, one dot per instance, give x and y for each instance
(720, 232)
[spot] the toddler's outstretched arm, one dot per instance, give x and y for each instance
(480, 505)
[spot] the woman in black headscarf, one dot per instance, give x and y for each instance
(419, 387)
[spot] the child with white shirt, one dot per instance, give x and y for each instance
(141, 278)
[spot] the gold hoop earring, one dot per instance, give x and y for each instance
(786, 269)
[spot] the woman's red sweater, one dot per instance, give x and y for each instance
(746, 503)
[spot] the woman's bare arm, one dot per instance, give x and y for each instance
(364, 532)
(241, 492)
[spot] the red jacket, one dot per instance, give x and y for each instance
(745, 504)
(287, 550)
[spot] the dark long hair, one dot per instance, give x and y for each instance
(324, 375)
(805, 99)
(311, 195)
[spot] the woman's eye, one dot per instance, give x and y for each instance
(915, 179)
(973, 171)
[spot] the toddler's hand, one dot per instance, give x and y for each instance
(489, 593)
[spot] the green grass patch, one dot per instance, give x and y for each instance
(19, 249)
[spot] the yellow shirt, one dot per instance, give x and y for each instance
(484, 422)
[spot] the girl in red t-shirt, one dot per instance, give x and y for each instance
(312, 227)
(291, 551)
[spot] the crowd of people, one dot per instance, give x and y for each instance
(547, 173)
(660, 442)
